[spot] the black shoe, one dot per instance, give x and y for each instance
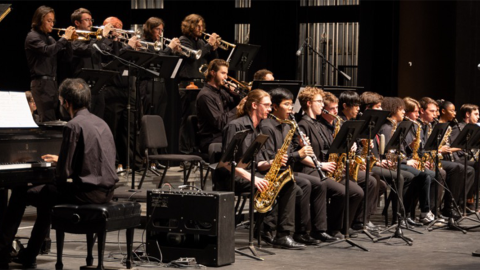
(305, 238)
(357, 226)
(287, 242)
(324, 237)
(266, 236)
(352, 233)
(414, 223)
(27, 263)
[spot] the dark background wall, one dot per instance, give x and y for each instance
(440, 38)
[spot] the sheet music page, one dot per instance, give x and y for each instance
(14, 111)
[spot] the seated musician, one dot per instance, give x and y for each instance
(311, 202)
(32, 105)
(263, 75)
(87, 156)
(216, 104)
(253, 109)
(321, 137)
(348, 109)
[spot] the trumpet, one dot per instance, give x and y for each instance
(222, 43)
(118, 30)
(81, 34)
(185, 50)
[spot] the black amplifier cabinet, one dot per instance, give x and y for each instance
(191, 224)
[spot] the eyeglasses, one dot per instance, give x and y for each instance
(88, 20)
(318, 100)
(268, 105)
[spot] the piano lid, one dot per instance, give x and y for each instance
(14, 111)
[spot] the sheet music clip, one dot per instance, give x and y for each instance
(241, 57)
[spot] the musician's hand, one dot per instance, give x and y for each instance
(69, 33)
(329, 166)
(175, 45)
(384, 164)
(284, 160)
(241, 103)
(134, 42)
(107, 29)
(354, 147)
(412, 163)
(213, 40)
(445, 149)
(306, 151)
(371, 144)
(307, 140)
(363, 167)
(261, 184)
(50, 158)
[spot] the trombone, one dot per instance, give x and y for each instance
(222, 43)
(81, 34)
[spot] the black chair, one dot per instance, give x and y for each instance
(152, 136)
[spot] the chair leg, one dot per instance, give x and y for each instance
(186, 174)
(60, 238)
(163, 176)
(129, 236)
(144, 173)
(90, 243)
(101, 248)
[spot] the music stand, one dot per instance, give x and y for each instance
(96, 78)
(229, 157)
(465, 141)
(395, 142)
(248, 158)
(134, 60)
(373, 121)
(241, 57)
(341, 145)
(291, 85)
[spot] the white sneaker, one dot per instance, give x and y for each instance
(427, 218)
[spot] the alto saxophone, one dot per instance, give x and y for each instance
(430, 157)
(334, 157)
(265, 200)
(392, 156)
(416, 146)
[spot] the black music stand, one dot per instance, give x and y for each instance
(395, 142)
(374, 119)
(466, 141)
(241, 57)
(229, 157)
(134, 60)
(249, 158)
(291, 85)
(96, 78)
(341, 145)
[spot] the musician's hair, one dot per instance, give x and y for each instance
(39, 15)
(307, 95)
(467, 108)
(190, 23)
(350, 98)
(369, 99)
(425, 101)
(329, 98)
(253, 96)
(149, 25)
(443, 105)
(76, 92)
(29, 96)
(215, 65)
(410, 104)
(392, 104)
(77, 14)
(280, 94)
(114, 21)
(260, 74)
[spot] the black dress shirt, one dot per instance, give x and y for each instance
(190, 67)
(87, 154)
(41, 51)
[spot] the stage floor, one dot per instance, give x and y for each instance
(440, 249)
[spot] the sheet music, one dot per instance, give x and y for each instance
(177, 67)
(14, 111)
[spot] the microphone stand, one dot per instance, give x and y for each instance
(136, 67)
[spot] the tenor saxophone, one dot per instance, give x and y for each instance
(263, 201)
(416, 146)
(333, 157)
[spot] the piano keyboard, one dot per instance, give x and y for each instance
(15, 166)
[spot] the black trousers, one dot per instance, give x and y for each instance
(154, 97)
(455, 172)
(310, 204)
(45, 94)
(419, 188)
(372, 199)
(44, 197)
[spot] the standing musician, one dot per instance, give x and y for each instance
(317, 129)
(349, 103)
(152, 90)
(193, 27)
(311, 203)
(216, 105)
(253, 109)
(42, 52)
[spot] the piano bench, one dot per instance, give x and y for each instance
(96, 219)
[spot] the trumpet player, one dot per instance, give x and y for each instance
(152, 90)
(216, 104)
(42, 52)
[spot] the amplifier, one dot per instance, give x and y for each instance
(191, 224)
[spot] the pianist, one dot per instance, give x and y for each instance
(87, 156)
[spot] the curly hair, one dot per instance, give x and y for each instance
(190, 23)
(307, 95)
(392, 104)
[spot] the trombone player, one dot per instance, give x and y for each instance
(42, 52)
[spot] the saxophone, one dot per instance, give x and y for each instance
(265, 200)
(443, 142)
(391, 156)
(416, 146)
(334, 157)
(363, 157)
